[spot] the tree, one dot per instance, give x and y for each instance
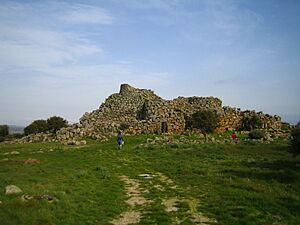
(295, 140)
(55, 123)
(205, 120)
(52, 124)
(36, 126)
(251, 122)
(4, 130)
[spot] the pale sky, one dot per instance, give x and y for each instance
(65, 57)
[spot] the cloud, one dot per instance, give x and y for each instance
(207, 23)
(27, 41)
(53, 56)
(86, 14)
(37, 48)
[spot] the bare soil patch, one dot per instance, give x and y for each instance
(32, 161)
(170, 204)
(133, 190)
(130, 217)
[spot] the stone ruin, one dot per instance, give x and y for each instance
(142, 111)
(138, 111)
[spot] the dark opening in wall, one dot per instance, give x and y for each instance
(142, 113)
(164, 127)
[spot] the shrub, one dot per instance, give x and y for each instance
(295, 140)
(2, 139)
(52, 124)
(55, 123)
(14, 136)
(4, 130)
(251, 122)
(205, 120)
(256, 134)
(36, 126)
(17, 135)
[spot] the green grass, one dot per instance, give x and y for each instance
(247, 183)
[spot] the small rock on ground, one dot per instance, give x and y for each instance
(12, 189)
(14, 153)
(147, 176)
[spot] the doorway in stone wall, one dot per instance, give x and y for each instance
(164, 127)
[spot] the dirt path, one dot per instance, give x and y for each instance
(133, 191)
(161, 183)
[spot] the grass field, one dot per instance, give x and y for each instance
(247, 183)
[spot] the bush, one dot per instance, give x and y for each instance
(256, 134)
(36, 126)
(4, 130)
(2, 139)
(55, 123)
(17, 135)
(205, 120)
(295, 140)
(251, 122)
(52, 124)
(11, 137)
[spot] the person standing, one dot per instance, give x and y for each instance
(120, 140)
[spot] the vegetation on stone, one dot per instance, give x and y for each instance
(256, 134)
(251, 122)
(205, 120)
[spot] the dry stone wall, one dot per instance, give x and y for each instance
(231, 119)
(40, 137)
(142, 111)
(191, 105)
(160, 115)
